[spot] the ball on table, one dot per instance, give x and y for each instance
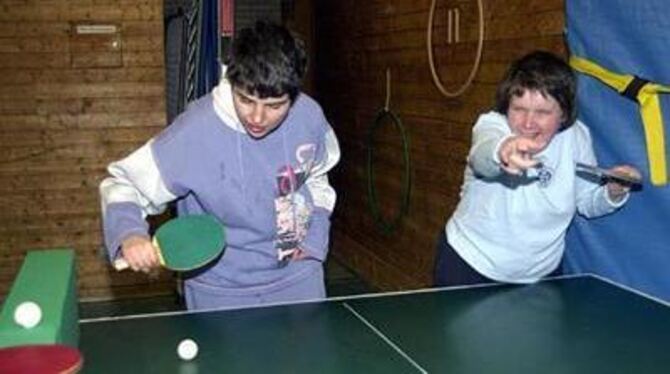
(28, 314)
(187, 349)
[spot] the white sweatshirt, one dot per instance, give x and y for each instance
(512, 228)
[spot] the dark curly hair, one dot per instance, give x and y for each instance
(267, 60)
(543, 72)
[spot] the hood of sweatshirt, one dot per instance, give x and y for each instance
(223, 103)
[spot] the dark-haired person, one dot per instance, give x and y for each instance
(255, 153)
(520, 189)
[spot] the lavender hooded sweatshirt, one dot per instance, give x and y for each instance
(271, 194)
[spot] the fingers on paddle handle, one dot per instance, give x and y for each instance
(121, 264)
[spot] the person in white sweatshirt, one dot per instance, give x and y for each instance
(521, 189)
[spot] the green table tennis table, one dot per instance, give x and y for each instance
(571, 324)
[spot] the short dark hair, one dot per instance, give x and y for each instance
(267, 60)
(543, 72)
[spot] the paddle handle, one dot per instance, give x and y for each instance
(121, 264)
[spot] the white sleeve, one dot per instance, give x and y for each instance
(592, 199)
(136, 179)
(323, 194)
(487, 135)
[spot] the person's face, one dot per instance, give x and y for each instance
(260, 116)
(534, 116)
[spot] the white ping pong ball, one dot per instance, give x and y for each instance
(187, 349)
(28, 314)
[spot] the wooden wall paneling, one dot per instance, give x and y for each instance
(69, 104)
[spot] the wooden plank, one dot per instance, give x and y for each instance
(46, 44)
(21, 183)
(97, 59)
(85, 217)
(28, 60)
(143, 43)
(143, 58)
(63, 138)
(541, 24)
(57, 90)
(141, 28)
(114, 12)
(21, 113)
(519, 8)
(99, 121)
(10, 76)
(73, 155)
(12, 28)
(71, 10)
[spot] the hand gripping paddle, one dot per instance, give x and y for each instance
(46, 358)
(607, 175)
(186, 243)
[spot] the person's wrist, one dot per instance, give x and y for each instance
(616, 196)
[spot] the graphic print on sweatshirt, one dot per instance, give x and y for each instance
(542, 173)
(291, 208)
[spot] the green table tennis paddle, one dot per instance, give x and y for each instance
(186, 243)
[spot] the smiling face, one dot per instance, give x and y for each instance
(260, 116)
(535, 116)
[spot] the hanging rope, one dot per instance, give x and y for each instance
(193, 51)
(478, 55)
(388, 226)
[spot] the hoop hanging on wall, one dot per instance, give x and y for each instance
(388, 226)
(478, 56)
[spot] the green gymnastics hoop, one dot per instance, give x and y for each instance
(385, 226)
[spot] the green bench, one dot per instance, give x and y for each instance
(48, 278)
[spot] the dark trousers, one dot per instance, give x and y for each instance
(451, 269)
